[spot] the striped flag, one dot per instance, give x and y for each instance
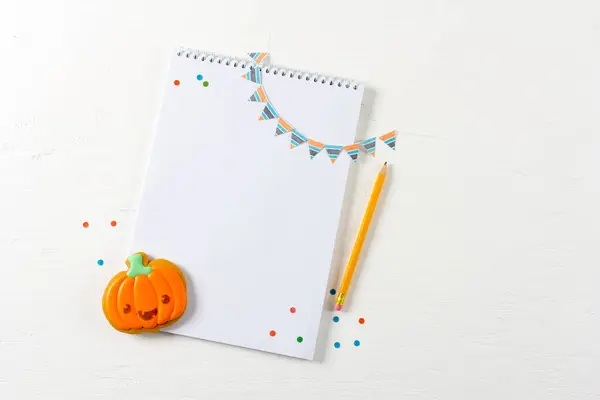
(268, 113)
(296, 139)
(314, 148)
(258, 57)
(282, 127)
(254, 75)
(369, 145)
(259, 96)
(389, 139)
(333, 151)
(352, 150)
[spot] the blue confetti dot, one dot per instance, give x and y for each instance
(332, 292)
(337, 345)
(100, 262)
(336, 319)
(357, 343)
(199, 77)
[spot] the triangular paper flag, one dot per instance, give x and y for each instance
(268, 113)
(369, 145)
(389, 139)
(258, 57)
(254, 75)
(314, 148)
(296, 139)
(282, 127)
(259, 96)
(333, 151)
(352, 150)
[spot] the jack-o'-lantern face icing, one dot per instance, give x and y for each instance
(148, 315)
(146, 297)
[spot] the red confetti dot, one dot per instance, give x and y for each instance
(361, 321)
(86, 224)
(113, 223)
(272, 333)
(293, 310)
(176, 82)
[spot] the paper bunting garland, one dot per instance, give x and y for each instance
(352, 150)
(314, 148)
(369, 145)
(259, 96)
(268, 113)
(258, 57)
(296, 139)
(389, 139)
(333, 151)
(254, 75)
(282, 127)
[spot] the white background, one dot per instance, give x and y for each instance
(481, 275)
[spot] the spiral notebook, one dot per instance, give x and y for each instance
(244, 192)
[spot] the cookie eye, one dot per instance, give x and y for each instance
(165, 299)
(127, 309)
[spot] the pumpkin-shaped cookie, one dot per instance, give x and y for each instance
(146, 297)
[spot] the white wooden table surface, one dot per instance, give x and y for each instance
(480, 280)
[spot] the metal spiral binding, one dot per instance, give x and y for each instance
(239, 63)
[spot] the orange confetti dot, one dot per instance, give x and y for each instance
(293, 310)
(272, 333)
(361, 321)
(86, 224)
(176, 82)
(113, 223)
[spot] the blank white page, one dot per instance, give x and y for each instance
(251, 222)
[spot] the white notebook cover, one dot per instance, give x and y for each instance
(251, 222)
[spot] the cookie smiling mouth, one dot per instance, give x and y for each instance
(148, 315)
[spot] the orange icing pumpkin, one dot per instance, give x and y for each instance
(146, 297)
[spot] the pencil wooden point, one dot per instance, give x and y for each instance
(383, 169)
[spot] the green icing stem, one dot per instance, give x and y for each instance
(137, 267)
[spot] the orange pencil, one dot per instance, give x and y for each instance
(360, 238)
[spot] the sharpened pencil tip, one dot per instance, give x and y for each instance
(384, 168)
